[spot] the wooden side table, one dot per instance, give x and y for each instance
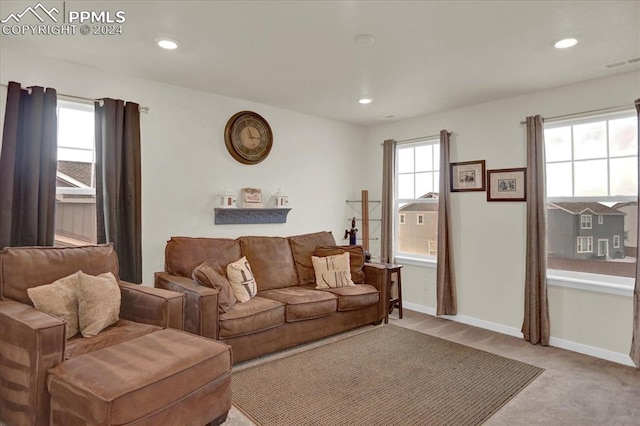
(393, 269)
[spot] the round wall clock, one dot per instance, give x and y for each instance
(248, 137)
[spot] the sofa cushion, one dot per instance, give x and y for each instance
(332, 271)
(241, 279)
(302, 247)
(356, 259)
(59, 299)
(250, 317)
(303, 303)
(183, 254)
(356, 297)
(271, 261)
(98, 302)
(25, 267)
(119, 332)
(210, 274)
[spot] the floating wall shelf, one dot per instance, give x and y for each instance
(241, 216)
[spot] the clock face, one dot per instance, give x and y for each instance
(248, 137)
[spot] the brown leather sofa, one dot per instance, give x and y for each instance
(287, 309)
(46, 378)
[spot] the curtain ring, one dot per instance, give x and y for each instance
(101, 102)
(29, 90)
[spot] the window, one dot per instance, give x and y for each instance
(75, 178)
(416, 197)
(585, 244)
(591, 170)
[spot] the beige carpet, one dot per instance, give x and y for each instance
(388, 375)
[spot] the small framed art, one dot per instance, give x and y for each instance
(507, 184)
(252, 198)
(467, 176)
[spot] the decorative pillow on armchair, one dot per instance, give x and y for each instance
(59, 299)
(210, 274)
(332, 271)
(98, 302)
(356, 259)
(241, 278)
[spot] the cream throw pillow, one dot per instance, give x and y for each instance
(59, 300)
(332, 271)
(242, 281)
(98, 302)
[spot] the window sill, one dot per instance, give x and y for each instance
(607, 284)
(417, 261)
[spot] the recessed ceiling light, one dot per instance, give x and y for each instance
(364, 39)
(365, 101)
(167, 43)
(565, 43)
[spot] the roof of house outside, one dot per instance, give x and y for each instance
(576, 208)
(422, 207)
(76, 170)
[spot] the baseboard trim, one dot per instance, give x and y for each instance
(511, 331)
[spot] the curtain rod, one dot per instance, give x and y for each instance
(421, 138)
(584, 113)
(141, 108)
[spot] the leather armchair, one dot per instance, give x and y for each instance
(32, 342)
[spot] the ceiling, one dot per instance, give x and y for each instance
(427, 56)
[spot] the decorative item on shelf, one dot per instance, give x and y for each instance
(280, 200)
(252, 198)
(227, 199)
(351, 233)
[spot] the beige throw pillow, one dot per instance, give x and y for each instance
(210, 274)
(332, 271)
(59, 299)
(98, 302)
(242, 281)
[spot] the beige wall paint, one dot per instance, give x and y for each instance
(185, 163)
(489, 238)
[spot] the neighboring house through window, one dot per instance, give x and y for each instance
(75, 179)
(591, 170)
(416, 199)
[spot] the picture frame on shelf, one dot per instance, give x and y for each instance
(507, 184)
(467, 176)
(252, 198)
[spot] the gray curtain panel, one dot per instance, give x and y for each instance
(446, 278)
(118, 183)
(635, 342)
(28, 166)
(535, 326)
(388, 184)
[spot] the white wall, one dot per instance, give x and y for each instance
(185, 163)
(489, 238)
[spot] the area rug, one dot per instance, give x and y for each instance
(387, 376)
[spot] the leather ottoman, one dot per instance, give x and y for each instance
(164, 378)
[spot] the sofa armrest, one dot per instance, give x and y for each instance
(31, 342)
(201, 303)
(151, 305)
(377, 276)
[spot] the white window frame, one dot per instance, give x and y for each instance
(402, 218)
(597, 283)
(600, 219)
(586, 221)
(412, 258)
(588, 239)
(616, 241)
(419, 219)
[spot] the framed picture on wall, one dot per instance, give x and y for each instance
(507, 184)
(467, 176)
